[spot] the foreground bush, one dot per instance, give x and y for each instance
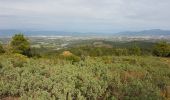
(122, 78)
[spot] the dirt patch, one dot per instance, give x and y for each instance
(67, 53)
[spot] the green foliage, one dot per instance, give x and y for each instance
(98, 51)
(20, 44)
(135, 50)
(73, 58)
(36, 52)
(121, 78)
(18, 60)
(101, 48)
(104, 51)
(84, 72)
(1, 49)
(120, 52)
(67, 55)
(162, 49)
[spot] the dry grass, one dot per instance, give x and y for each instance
(67, 53)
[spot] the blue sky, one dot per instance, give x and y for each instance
(85, 15)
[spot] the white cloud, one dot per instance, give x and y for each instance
(83, 15)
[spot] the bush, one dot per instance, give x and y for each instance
(67, 55)
(162, 49)
(127, 78)
(16, 60)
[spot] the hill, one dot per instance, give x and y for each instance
(153, 32)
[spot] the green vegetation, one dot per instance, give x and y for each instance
(135, 50)
(123, 78)
(67, 55)
(20, 44)
(162, 49)
(1, 49)
(87, 72)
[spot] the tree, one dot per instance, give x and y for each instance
(1, 49)
(20, 44)
(162, 49)
(135, 50)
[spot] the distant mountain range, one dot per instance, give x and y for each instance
(153, 32)
(9, 33)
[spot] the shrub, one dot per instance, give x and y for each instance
(67, 55)
(162, 49)
(127, 78)
(18, 60)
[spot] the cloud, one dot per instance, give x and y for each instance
(85, 15)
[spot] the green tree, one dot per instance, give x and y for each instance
(20, 44)
(1, 49)
(162, 49)
(135, 50)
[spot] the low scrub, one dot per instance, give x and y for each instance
(121, 78)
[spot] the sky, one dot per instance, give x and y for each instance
(85, 15)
